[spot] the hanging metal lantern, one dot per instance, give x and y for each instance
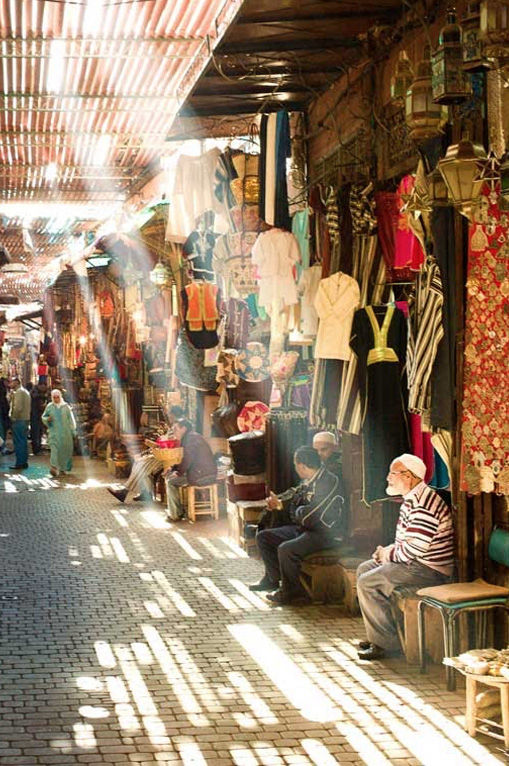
(423, 116)
(160, 275)
(461, 170)
(449, 81)
(473, 59)
(494, 29)
(402, 78)
(437, 189)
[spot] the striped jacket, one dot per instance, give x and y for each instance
(424, 336)
(425, 530)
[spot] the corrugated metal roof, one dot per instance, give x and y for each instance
(89, 89)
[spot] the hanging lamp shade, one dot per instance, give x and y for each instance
(449, 81)
(402, 78)
(461, 170)
(423, 116)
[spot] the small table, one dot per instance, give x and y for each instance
(471, 717)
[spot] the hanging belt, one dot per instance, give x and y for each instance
(380, 351)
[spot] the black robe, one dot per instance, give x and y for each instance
(383, 398)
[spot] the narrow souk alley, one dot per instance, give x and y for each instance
(126, 639)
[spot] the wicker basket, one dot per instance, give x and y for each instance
(168, 455)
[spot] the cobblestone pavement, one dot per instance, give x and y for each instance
(127, 640)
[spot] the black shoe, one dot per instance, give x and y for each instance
(283, 597)
(18, 467)
(119, 494)
(264, 584)
(373, 652)
(363, 645)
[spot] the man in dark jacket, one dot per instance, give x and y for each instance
(197, 467)
(310, 517)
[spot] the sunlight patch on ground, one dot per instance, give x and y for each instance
(284, 673)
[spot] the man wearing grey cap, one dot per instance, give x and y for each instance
(421, 555)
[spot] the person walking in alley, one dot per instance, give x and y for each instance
(59, 419)
(5, 422)
(20, 419)
(422, 554)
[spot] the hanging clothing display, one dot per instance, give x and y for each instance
(285, 430)
(193, 194)
(336, 299)
(308, 286)
(198, 249)
(275, 148)
(236, 334)
(189, 365)
(443, 390)
(485, 415)
(201, 303)
(379, 338)
(408, 249)
(300, 230)
(425, 333)
(275, 253)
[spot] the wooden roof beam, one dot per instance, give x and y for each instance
(292, 44)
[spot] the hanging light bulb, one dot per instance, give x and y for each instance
(449, 81)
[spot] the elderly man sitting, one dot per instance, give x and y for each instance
(421, 555)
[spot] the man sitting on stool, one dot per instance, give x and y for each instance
(197, 467)
(422, 554)
(311, 521)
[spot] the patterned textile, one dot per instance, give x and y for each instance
(237, 323)
(485, 421)
(252, 416)
(189, 367)
(252, 363)
(408, 249)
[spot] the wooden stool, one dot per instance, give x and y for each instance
(200, 501)
(474, 718)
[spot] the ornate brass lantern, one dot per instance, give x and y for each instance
(449, 80)
(423, 116)
(473, 60)
(461, 169)
(402, 78)
(437, 189)
(494, 29)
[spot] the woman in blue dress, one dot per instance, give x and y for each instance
(59, 419)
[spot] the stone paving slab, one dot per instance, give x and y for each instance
(129, 640)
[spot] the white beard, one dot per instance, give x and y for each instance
(392, 491)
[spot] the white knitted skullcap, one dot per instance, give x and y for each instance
(323, 437)
(413, 463)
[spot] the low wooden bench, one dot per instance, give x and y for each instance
(328, 576)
